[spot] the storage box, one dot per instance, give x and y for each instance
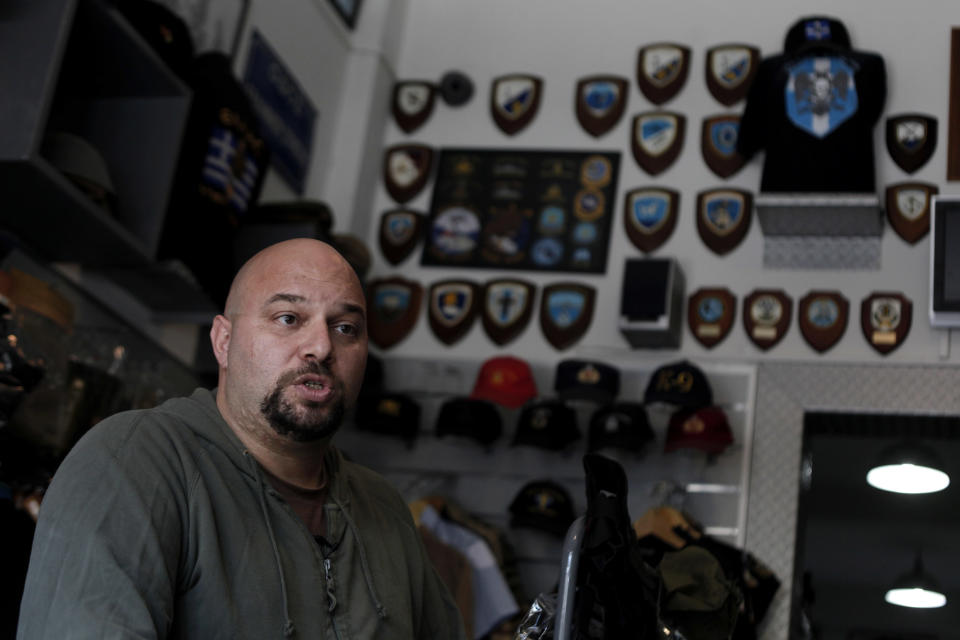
(651, 303)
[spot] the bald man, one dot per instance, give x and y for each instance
(230, 514)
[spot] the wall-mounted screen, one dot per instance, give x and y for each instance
(945, 262)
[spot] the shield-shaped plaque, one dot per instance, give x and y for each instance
(820, 94)
(885, 319)
(718, 143)
(514, 100)
(452, 308)
(723, 218)
(406, 168)
(911, 140)
(600, 103)
(822, 316)
(650, 216)
(908, 208)
(657, 139)
(400, 230)
(662, 70)
(413, 103)
(507, 308)
(393, 305)
(766, 316)
(730, 71)
(566, 309)
(710, 314)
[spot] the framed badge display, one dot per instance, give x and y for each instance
(600, 101)
(718, 144)
(406, 169)
(412, 103)
(566, 310)
(657, 140)
(911, 140)
(662, 70)
(885, 319)
(730, 69)
(650, 216)
(506, 308)
(451, 308)
(393, 306)
(766, 316)
(908, 208)
(723, 218)
(514, 101)
(527, 210)
(710, 314)
(822, 316)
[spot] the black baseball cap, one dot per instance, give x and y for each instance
(621, 425)
(395, 414)
(681, 384)
(547, 424)
(470, 417)
(586, 380)
(544, 505)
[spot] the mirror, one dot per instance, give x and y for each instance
(854, 541)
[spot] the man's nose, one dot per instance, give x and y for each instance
(316, 342)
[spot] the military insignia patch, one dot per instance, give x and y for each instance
(730, 71)
(455, 234)
(400, 230)
(412, 103)
(406, 169)
(600, 103)
(766, 316)
(723, 218)
(820, 94)
(506, 235)
(710, 314)
(908, 208)
(657, 139)
(507, 308)
(589, 204)
(596, 172)
(393, 305)
(662, 70)
(452, 308)
(514, 100)
(566, 310)
(718, 143)
(822, 316)
(911, 140)
(885, 319)
(650, 216)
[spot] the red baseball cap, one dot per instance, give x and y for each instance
(505, 380)
(706, 429)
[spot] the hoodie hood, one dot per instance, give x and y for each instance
(814, 32)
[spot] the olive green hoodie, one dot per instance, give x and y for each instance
(159, 524)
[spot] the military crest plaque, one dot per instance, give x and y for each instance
(600, 103)
(911, 140)
(723, 218)
(718, 143)
(710, 314)
(650, 216)
(730, 71)
(412, 103)
(514, 101)
(822, 316)
(662, 70)
(400, 230)
(657, 139)
(885, 319)
(766, 316)
(406, 169)
(566, 310)
(507, 308)
(393, 307)
(908, 208)
(452, 308)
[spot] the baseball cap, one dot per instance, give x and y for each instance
(544, 505)
(83, 164)
(471, 418)
(548, 424)
(505, 380)
(681, 384)
(706, 429)
(586, 380)
(621, 425)
(395, 414)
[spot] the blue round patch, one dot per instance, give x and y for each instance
(552, 221)
(585, 233)
(547, 252)
(710, 309)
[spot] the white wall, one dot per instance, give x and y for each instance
(563, 41)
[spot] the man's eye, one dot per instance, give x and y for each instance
(347, 329)
(287, 319)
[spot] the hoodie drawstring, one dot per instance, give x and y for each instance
(288, 626)
(367, 576)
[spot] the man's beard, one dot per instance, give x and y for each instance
(305, 425)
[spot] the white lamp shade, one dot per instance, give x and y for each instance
(916, 597)
(908, 478)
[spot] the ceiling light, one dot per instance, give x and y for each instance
(908, 468)
(916, 589)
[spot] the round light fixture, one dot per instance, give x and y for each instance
(916, 589)
(908, 468)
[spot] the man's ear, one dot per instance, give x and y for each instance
(220, 339)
